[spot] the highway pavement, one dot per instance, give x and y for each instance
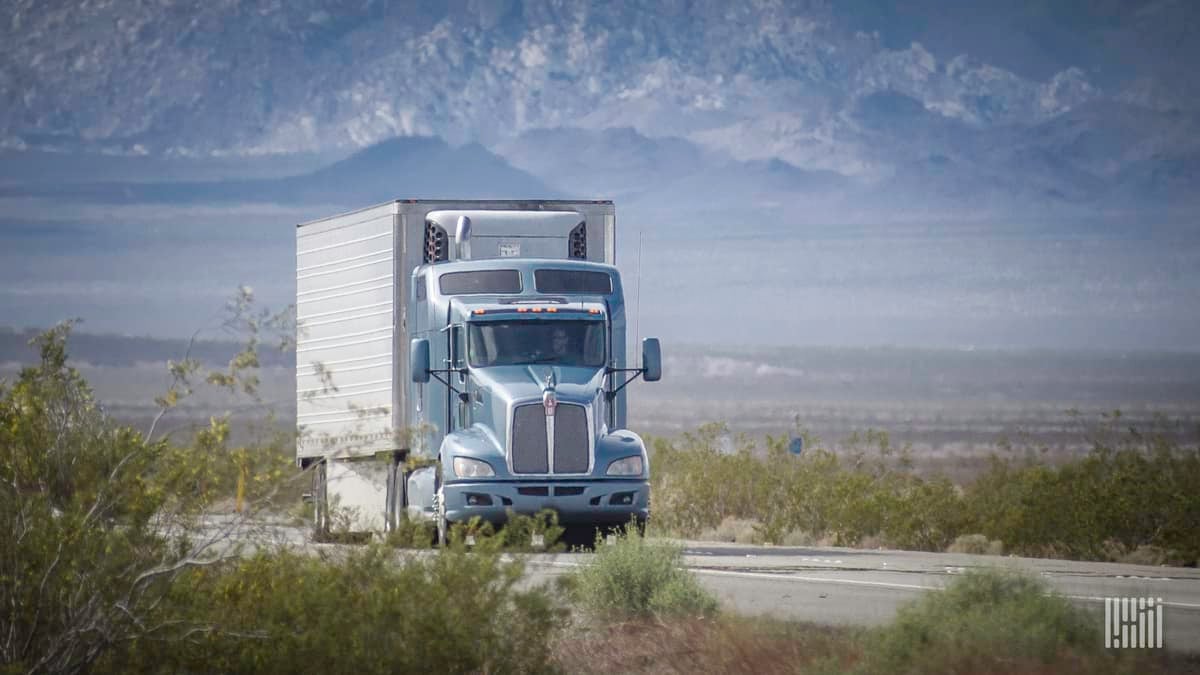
(844, 586)
(866, 587)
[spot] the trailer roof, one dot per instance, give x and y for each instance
(514, 204)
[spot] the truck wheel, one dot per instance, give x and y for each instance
(439, 508)
(443, 528)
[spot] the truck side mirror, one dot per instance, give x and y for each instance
(651, 360)
(418, 360)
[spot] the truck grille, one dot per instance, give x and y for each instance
(570, 439)
(572, 451)
(529, 452)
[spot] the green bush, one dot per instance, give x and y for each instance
(366, 609)
(96, 521)
(1133, 491)
(976, 544)
(515, 536)
(634, 577)
(108, 564)
(412, 533)
(518, 532)
(983, 621)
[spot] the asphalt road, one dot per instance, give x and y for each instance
(866, 587)
(859, 587)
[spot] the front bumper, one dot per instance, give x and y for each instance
(584, 502)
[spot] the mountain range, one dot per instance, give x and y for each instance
(917, 106)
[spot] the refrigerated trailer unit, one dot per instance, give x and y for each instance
(467, 358)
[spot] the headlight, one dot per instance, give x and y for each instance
(630, 466)
(465, 467)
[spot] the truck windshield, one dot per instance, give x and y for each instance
(558, 342)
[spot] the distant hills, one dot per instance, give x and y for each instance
(127, 351)
(387, 170)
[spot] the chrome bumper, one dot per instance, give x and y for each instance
(605, 502)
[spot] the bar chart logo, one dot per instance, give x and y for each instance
(1133, 623)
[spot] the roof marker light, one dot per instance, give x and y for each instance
(478, 311)
(593, 311)
(552, 310)
(522, 310)
(536, 310)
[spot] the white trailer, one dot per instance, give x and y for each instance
(353, 298)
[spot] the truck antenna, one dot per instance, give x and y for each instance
(637, 312)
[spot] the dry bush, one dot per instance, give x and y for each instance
(734, 530)
(976, 544)
(724, 645)
(1146, 555)
(1134, 490)
(358, 610)
(995, 622)
(633, 577)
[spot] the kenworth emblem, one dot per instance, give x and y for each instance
(549, 398)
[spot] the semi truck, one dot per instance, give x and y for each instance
(458, 358)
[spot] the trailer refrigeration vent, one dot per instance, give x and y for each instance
(437, 248)
(577, 242)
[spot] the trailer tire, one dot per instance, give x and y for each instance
(320, 491)
(397, 495)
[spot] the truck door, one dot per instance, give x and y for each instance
(456, 348)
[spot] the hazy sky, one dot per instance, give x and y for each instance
(164, 270)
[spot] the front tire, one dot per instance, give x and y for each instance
(439, 509)
(443, 527)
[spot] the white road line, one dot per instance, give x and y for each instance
(1093, 598)
(846, 582)
(776, 577)
(824, 580)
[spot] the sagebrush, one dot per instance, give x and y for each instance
(1133, 491)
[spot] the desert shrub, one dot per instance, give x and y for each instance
(362, 609)
(727, 644)
(515, 535)
(696, 488)
(980, 622)
(697, 485)
(1146, 555)
(97, 521)
(803, 538)
(925, 515)
(1133, 490)
(734, 530)
(976, 544)
(412, 533)
(637, 577)
(518, 532)
(100, 521)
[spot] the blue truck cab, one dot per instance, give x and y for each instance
(519, 366)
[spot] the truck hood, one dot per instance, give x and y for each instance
(512, 383)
